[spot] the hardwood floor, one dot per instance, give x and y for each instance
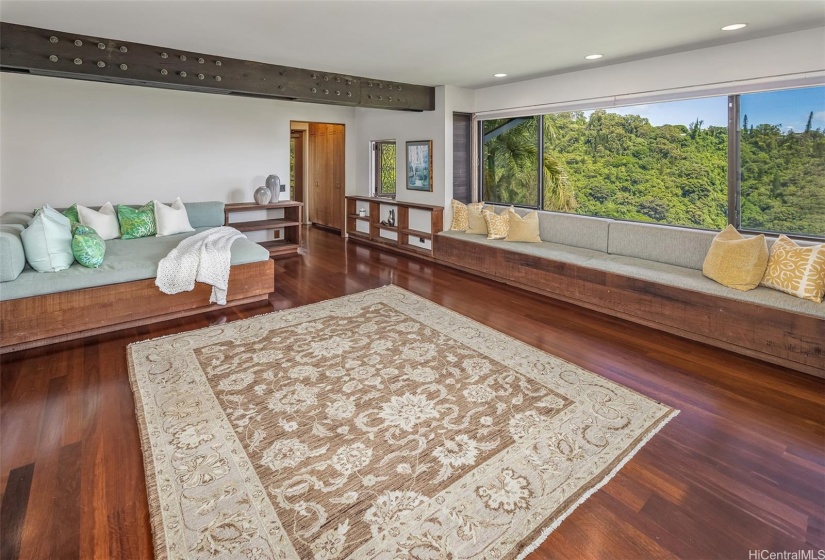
(741, 468)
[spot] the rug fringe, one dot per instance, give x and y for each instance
(548, 530)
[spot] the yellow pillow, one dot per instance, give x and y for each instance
(460, 222)
(524, 229)
(475, 219)
(736, 261)
(497, 224)
(795, 270)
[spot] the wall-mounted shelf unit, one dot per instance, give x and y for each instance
(290, 223)
(407, 240)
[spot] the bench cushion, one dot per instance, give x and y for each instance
(665, 244)
(12, 257)
(126, 260)
(663, 273)
(577, 231)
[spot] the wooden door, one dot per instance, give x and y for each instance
(326, 153)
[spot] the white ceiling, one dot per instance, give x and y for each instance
(435, 42)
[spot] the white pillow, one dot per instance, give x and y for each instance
(103, 221)
(171, 219)
(47, 242)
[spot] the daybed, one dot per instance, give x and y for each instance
(39, 308)
(652, 275)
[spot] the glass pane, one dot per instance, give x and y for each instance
(782, 155)
(510, 156)
(659, 162)
(386, 170)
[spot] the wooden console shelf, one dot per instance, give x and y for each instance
(404, 233)
(290, 223)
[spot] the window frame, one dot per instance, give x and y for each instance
(734, 171)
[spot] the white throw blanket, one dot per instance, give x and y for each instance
(203, 257)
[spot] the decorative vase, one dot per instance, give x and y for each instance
(273, 183)
(263, 195)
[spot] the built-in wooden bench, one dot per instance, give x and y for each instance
(651, 275)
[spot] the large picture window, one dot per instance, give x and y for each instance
(782, 154)
(668, 162)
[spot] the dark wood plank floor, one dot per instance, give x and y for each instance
(741, 468)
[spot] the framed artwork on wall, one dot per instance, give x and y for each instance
(420, 165)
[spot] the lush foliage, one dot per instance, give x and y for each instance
(783, 179)
(511, 168)
(621, 166)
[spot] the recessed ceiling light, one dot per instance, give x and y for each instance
(734, 26)
(593, 56)
(499, 75)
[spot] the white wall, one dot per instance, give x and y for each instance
(790, 53)
(437, 125)
(66, 141)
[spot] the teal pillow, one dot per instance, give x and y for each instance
(12, 257)
(87, 246)
(47, 241)
(205, 214)
(135, 223)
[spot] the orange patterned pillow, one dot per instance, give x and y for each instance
(795, 270)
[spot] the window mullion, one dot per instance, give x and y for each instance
(540, 199)
(734, 171)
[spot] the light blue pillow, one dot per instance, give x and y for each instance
(47, 241)
(12, 257)
(204, 214)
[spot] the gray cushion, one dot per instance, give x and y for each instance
(578, 231)
(586, 232)
(22, 218)
(12, 257)
(545, 249)
(126, 260)
(204, 214)
(665, 244)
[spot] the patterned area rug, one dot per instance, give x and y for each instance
(377, 425)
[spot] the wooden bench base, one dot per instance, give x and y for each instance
(773, 335)
(39, 320)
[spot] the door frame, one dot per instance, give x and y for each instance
(301, 128)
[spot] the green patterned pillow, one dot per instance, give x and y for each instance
(137, 223)
(88, 247)
(71, 213)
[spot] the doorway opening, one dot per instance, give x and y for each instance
(317, 161)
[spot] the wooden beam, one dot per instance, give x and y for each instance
(70, 55)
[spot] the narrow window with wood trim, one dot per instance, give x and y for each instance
(384, 168)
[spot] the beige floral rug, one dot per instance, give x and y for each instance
(377, 425)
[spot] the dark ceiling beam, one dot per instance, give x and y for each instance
(70, 55)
